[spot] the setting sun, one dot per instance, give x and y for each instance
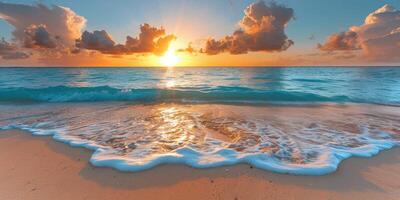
(170, 59)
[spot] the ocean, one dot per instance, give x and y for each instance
(299, 120)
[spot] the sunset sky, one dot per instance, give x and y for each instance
(199, 33)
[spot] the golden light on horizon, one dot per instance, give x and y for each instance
(170, 59)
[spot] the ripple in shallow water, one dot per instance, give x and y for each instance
(303, 140)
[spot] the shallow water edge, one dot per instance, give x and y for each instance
(283, 139)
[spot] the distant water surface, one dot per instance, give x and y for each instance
(243, 85)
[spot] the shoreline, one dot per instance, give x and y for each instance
(208, 125)
(40, 168)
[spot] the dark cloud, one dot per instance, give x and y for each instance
(150, 40)
(261, 29)
(378, 38)
(341, 41)
(39, 37)
(9, 51)
(98, 40)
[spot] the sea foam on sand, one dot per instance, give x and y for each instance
(308, 140)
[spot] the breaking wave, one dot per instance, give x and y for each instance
(106, 93)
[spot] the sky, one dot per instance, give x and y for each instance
(199, 33)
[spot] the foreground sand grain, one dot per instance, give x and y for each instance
(40, 168)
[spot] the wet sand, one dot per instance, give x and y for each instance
(35, 167)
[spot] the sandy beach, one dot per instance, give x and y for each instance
(39, 168)
(199, 100)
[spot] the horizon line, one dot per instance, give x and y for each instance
(222, 66)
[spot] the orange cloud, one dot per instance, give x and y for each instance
(151, 40)
(261, 29)
(341, 41)
(54, 36)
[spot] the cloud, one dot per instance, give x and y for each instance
(189, 49)
(341, 41)
(98, 40)
(378, 38)
(56, 34)
(39, 37)
(150, 40)
(49, 31)
(41, 23)
(9, 51)
(261, 29)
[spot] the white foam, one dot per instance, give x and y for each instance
(212, 136)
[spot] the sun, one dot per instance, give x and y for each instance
(170, 59)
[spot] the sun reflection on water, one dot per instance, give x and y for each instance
(170, 84)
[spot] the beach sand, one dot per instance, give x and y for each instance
(35, 167)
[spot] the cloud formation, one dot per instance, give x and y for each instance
(39, 37)
(378, 38)
(261, 29)
(57, 33)
(9, 51)
(150, 40)
(40, 25)
(98, 40)
(341, 41)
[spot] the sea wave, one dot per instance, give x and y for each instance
(284, 139)
(213, 95)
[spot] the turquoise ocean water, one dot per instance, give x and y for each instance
(288, 120)
(379, 85)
